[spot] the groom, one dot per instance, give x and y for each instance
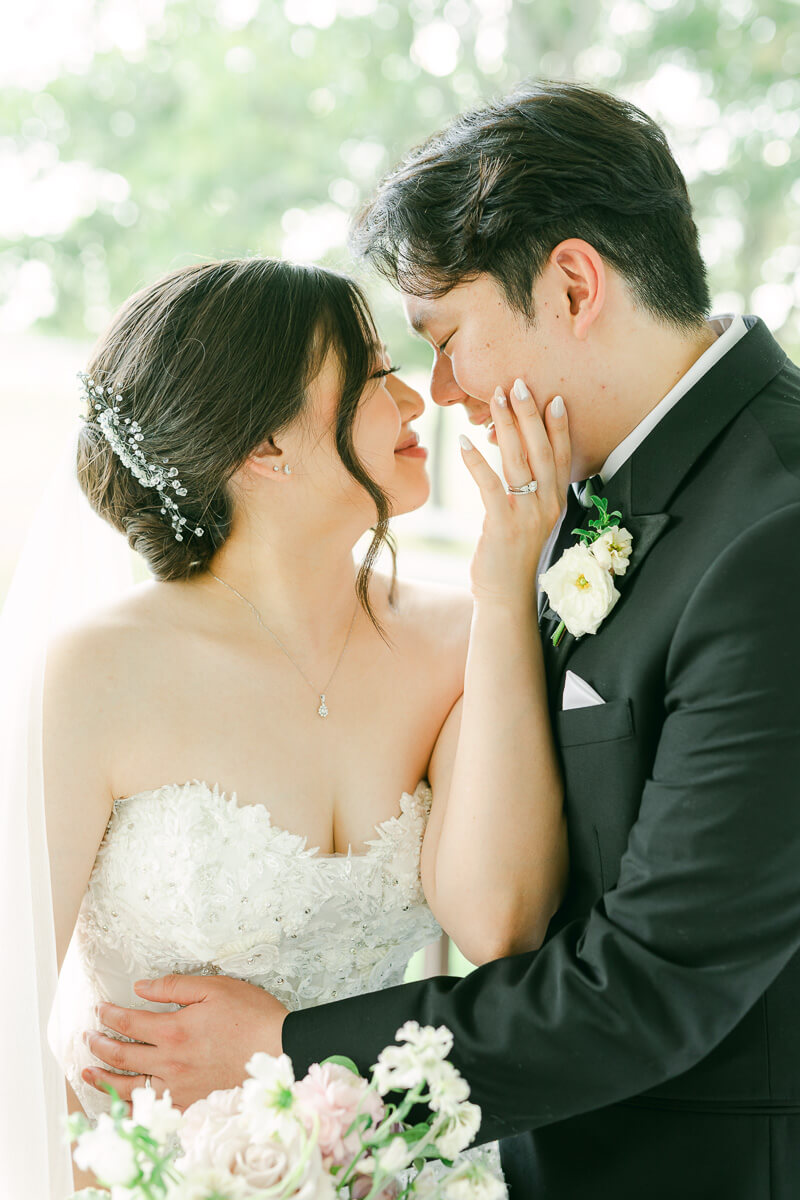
(651, 1047)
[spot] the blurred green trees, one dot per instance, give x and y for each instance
(241, 127)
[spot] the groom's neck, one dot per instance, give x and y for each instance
(637, 366)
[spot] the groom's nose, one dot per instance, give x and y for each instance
(444, 387)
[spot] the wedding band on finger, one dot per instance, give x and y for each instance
(525, 490)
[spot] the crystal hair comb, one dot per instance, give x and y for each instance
(123, 436)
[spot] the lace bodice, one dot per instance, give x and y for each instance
(188, 881)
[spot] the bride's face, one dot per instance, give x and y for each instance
(384, 441)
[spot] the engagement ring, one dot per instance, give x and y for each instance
(525, 490)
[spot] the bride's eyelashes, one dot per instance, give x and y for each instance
(442, 345)
(384, 371)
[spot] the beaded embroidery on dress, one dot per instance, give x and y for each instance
(188, 881)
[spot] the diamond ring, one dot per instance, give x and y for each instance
(525, 490)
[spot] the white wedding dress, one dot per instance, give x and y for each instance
(188, 881)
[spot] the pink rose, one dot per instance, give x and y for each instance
(335, 1096)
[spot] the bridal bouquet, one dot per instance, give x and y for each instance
(332, 1134)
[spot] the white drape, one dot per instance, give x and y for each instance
(72, 562)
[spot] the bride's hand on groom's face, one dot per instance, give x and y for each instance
(516, 527)
(201, 1047)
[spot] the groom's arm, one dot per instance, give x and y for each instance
(706, 911)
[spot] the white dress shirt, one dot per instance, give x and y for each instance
(729, 329)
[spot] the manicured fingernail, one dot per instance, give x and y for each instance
(520, 390)
(557, 406)
(500, 398)
(464, 442)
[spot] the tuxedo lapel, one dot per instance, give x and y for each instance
(659, 466)
(643, 486)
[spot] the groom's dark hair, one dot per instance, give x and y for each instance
(499, 188)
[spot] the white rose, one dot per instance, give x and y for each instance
(613, 549)
(213, 1131)
(110, 1157)
(580, 590)
(273, 1165)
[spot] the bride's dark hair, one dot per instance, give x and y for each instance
(213, 361)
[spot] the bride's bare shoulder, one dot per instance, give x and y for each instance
(108, 645)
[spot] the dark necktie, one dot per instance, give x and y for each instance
(579, 511)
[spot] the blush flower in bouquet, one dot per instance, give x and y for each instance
(330, 1135)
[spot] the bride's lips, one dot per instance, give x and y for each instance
(410, 448)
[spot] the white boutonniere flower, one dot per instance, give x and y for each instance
(580, 586)
(580, 590)
(613, 549)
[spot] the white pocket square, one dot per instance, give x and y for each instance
(578, 693)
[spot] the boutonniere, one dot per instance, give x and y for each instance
(580, 586)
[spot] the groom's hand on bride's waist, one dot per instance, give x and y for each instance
(196, 1050)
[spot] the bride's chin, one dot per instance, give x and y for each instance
(412, 498)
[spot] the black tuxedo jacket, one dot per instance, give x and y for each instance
(651, 1047)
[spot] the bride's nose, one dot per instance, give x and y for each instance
(407, 398)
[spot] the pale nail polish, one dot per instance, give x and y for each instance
(464, 442)
(557, 406)
(500, 398)
(520, 390)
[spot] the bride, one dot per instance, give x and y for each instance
(268, 762)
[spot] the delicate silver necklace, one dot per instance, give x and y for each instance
(323, 710)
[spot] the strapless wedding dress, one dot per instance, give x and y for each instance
(188, 881)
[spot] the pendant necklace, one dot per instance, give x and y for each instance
(323, 710)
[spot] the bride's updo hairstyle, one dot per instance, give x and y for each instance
(213, 361)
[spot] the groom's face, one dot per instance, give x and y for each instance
(480, 342)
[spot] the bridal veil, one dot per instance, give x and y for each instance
(72, 562)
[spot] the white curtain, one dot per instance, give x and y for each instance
(71, 563)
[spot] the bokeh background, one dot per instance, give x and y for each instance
(137, 136)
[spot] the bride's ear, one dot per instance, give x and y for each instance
(269, 460)
(582, 277)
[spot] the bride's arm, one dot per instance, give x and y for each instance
(80, 686)
(494, 858)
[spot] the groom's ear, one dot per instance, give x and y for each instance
(581, 274)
